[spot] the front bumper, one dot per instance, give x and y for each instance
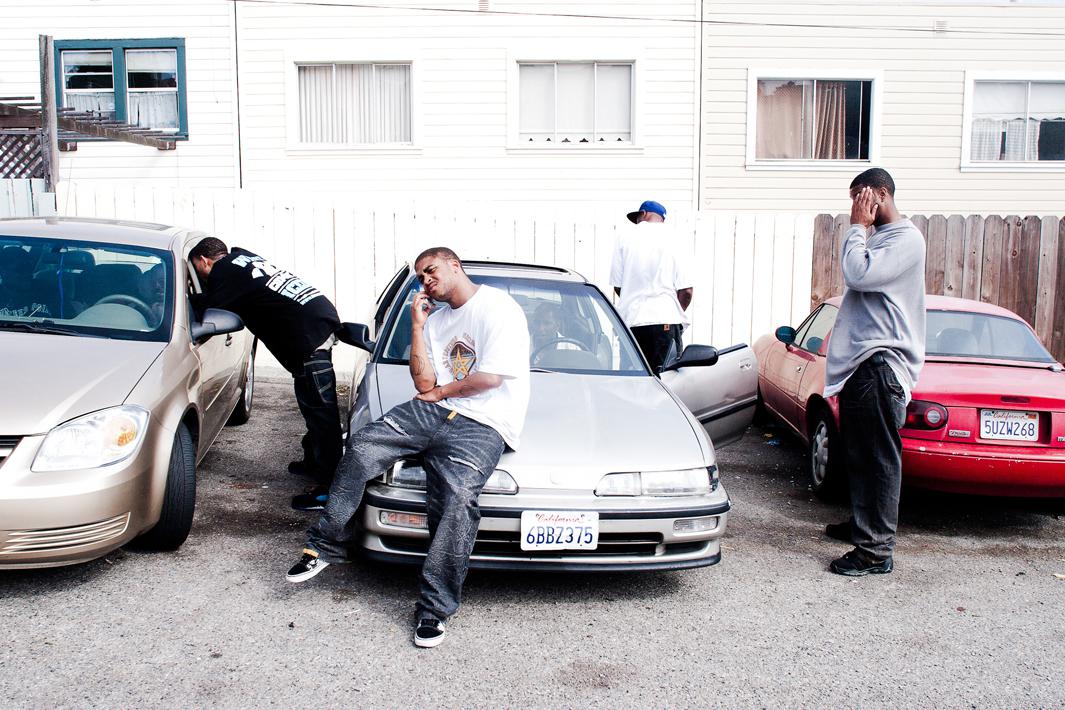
(633, 535)
(984, 470)
(59, 518)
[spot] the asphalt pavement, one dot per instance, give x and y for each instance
(971, 617)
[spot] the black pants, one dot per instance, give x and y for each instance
(656, 341)
(316, 395)
(872, 407)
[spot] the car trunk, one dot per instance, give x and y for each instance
(993, 404)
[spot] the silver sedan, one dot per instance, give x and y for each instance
(616, 470)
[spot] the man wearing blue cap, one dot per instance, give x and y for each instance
(653, 283)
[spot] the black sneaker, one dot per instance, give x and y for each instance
(430, 632)
(300, 468)
(856, 564)
(308, 566)
(841, 531)
(314, 499)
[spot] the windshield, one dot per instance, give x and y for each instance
(961, 334)
(571, 328)
(85, 288)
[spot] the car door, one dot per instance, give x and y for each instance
(779, 367)
(722, 396)
(801, 358)
(220, 358)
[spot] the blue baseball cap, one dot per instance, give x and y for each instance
(647, 206)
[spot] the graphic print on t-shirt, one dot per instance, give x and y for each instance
(460, 356)
(283, 282)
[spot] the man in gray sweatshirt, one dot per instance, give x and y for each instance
(874, 358)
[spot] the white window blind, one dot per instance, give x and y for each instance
(575, 103)
(1018, 121)
(152, 96)
(354, 104)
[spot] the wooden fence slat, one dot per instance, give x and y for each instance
(954, 259)
(1047, 296)
(994, 243)
(802, 281)
(936, 254)
(724, 246)
(824, 244)
(973, 259)
(764, 275)
(1056, 340)
(1026, 268)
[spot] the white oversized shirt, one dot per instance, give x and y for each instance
(649, 272)
(486, 334)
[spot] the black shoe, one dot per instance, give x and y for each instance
(314, 499)
(856, 564)
(843, 532)
(308, 566)
(430, 632)
(300, 468)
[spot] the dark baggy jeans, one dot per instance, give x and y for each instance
(655, 342)
(872, 408)
(459, 455)
(316, 395)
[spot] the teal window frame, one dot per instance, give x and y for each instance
(118, 49)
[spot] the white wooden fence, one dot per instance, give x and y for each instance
(25, 197)
(751, 272)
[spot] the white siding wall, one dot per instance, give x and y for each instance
(923, 75)
(208, 158)
(465, 95)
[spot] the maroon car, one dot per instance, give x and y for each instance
(987, 415)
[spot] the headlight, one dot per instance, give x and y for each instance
(687, 482)
(409, 474)
(94, 440)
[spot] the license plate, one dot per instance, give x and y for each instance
(559, 530)
(1009, 426)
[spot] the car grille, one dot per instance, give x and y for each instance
(7, 445)
(53, 539)
(508, 544)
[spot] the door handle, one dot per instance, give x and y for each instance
(229, 339)
(798, 368)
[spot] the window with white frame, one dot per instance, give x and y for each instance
(354, 103)
(813, 119)
(1017, 121)
(563, 104)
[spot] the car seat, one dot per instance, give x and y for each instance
(107, 280)
(956, 341)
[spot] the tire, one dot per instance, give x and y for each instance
(242, 412)
(179, 498)
(825, 471)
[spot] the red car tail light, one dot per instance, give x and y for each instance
(925, 415)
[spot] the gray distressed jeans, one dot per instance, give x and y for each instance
(872, 408)
(459, 455)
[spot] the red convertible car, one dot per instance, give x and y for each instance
(988, 411)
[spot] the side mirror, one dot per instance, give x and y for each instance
(785, 334)
(693, 356)
(215, 321)
(357, 335)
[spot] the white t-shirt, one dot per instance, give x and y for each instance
(649, 272)
(487, 334)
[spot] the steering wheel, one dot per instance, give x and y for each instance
(125, 299)
(555, 341)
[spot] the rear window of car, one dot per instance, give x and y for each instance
(572, 328)
(86, 288)
(964, 334)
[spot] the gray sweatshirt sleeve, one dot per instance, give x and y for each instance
(872, 268)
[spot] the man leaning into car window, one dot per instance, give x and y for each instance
(296, 322)
(469, 360)
(875, 354)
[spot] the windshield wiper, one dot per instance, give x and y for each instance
(47, 327)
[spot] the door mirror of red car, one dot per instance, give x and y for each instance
(786, 334)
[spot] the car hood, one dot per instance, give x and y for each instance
(50, 379)
(579, 427)
(980, 385)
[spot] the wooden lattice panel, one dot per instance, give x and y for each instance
(21, 155)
